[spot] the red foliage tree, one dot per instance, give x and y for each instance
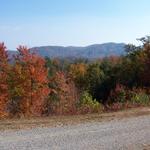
(65, 95)
(32, 82)
(3, 80)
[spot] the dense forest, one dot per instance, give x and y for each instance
(35, 86)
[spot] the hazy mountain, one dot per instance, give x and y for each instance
(90, 52)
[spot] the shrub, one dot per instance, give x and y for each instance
(140, 98)
(118, 94)
(88, 105)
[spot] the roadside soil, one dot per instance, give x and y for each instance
(57, 121)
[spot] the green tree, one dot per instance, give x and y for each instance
(94, 77)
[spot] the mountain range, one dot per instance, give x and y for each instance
(89, 52)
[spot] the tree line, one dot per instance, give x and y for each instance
(36, 86)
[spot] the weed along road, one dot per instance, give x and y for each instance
(128, 133)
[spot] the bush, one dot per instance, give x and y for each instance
(118, 94)
(140, 98)
(88, 105)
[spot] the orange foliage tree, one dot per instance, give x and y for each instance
(64, 96)
(3, 80)
(31, 83)
(78, 73)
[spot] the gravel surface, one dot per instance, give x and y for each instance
(119, 134)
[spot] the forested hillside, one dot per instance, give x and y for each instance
(38, 86)
(88, 52)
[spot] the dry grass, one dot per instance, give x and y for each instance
(53, 121)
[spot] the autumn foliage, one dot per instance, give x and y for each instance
(25, 85)
(32, 81)
(4, 97)
(31, 85)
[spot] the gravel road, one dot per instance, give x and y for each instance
(119, 134)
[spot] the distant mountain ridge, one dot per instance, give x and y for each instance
(89, 52)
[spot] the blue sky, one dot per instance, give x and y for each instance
(72, 22)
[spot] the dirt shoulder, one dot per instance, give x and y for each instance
(55, 121)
